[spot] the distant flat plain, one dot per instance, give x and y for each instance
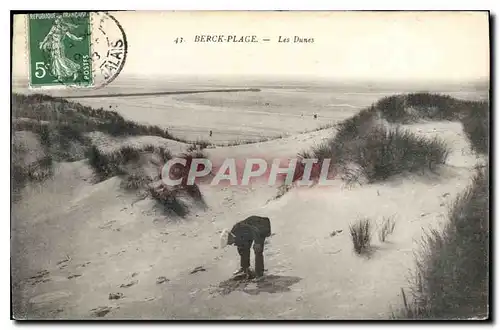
(281, 107)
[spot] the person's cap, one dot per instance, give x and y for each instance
(224, 238)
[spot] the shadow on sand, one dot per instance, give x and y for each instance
(268, 283)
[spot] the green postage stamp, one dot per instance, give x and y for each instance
(75, 49)
(60, 49)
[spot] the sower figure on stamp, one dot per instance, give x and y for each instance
(254, 230)
(61, 67)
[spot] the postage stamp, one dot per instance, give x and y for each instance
(74, 49)
(60, 48)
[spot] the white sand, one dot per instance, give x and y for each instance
(109, 242)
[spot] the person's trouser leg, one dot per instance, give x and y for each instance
(244, 252)
(258, 248)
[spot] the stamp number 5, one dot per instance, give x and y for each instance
(40, 71)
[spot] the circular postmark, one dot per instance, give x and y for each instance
(108, 48)
(84, 49)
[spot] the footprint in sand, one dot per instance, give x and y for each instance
(115, 296)
(40, 277)
(128, 285)
(198, 269)
(63, 263)
(49, 297)
(162, 279)
(107, 225)
(101, 311)
(336, 232)
(59, 310)
(73, 276)
(83, 265)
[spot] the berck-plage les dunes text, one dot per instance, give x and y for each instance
(231, 38)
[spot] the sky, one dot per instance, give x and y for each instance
(450, 46)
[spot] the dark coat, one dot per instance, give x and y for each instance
(252, 229)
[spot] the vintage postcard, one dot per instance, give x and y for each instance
(316, 165)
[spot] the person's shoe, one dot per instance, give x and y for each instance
(240, 272)
(258, 278)
(250, 274)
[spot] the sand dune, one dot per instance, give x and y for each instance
(84, 250)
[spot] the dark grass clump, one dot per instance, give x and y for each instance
(195, 154)
(199, 145)
(384, 152)
(386, 228)
(37, 171)
(319, 153)
(361, 235)
(392, 108)
(355, 126)
(120, 127)
(367, 149)
(107, 165)
(61, 127)
(282, 190)
(135, 181)
(179, 171)
(249, 141)
(168, 201)
(362, 147)
(349, 130)
(101, 163)
(161, 151)
(194, 191)
(64, 142)
(407, 108)
(475, 123)
(379, 153)
(434, 106)
(81, 118)
(451, 277)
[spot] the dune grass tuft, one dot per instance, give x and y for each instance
(282, 190)
(80, 118)
(37, 171)
(386, 228)
(365, 148)
(381, 152)
(475, 123)
(407, 108)
(169, 202)
(361, 235)
(451, 275)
